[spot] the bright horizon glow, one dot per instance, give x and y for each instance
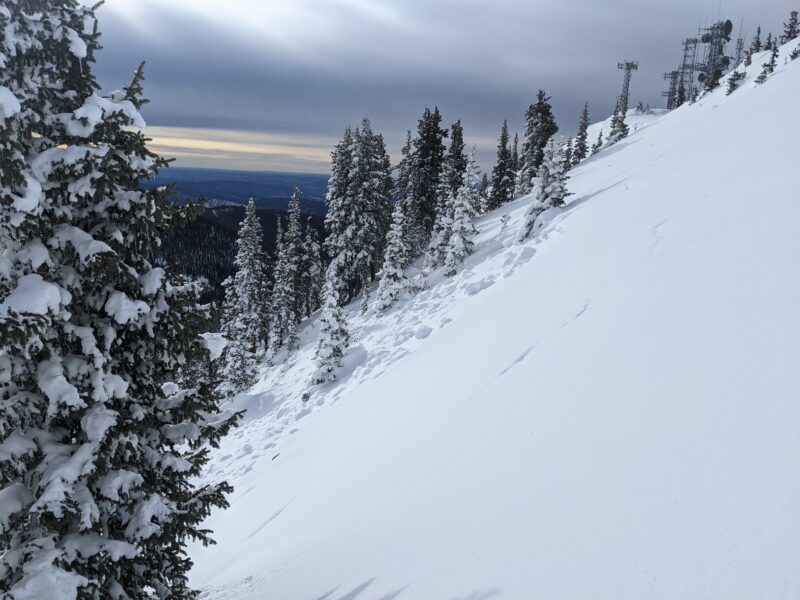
(241, 150)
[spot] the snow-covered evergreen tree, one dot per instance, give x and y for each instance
(515, 162)
(396, 259)
(283, 320)
(245, 315)
(295, 255)
(733, 81)
(456, 159)
(581, 149)
(333, 337)
(426, 169)
(755, 45)
(313, 274)
(598, 145)
(551, 189)
(101, 452)
(359, 207)
(566, 152)
(462, 228)
(791, 29)
(619, 128)
(768, 67)
(502, 189)
(540, 126)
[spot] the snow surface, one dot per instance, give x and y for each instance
(609, 410)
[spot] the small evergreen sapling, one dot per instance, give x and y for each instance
(768, 67)
(581, 149)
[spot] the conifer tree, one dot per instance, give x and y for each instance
(619, 128)
(551, 190)
(733, 81)
(333, 337)
(581, 149)
(402, 184)
(313, 274)
(484, 190)
(295, 254)
(245, 316)
(426, 167)
(770, 44)
(396, 259)
(359, 205)
(540, 126)
(462, 228)
(768, 67)
(502, 175)
(566, 152)
(791, 29)
(338, 217)
(283, 320)
(456, 160)
(755, 45)
(680, 95)
(598, 145)
(515, 162)
(101, 449)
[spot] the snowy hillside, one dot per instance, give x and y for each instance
(610, 410)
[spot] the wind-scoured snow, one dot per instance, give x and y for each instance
(609, 410)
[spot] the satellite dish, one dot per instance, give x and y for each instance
(728, 27)
(701, 78)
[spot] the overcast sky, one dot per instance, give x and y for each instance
(271, 84)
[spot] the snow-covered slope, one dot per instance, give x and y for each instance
(610, 410)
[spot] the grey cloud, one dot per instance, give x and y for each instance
(480, 61)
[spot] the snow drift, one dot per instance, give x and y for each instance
(610, 410)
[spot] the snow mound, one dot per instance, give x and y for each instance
(609, 410)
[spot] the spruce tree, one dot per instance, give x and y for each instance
(484, 190)
(503, 174)
(515, 163)
(245, 316)
(619, 128)
(102, 449)
(733, 81)
(283, 321)
(426, 167)
(791, 29)
(396, 259)
(768, 67)
(581, 150)
(333, 337)
(462, 228)
(295, 255)
(551, 189)
(359, 207)
(755, 45)
(598, 145)
(540, 126)
(456, 160)
(313, 274)
(566, 152)
(338, 217)
(770, 44)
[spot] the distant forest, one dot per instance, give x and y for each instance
(205, 249)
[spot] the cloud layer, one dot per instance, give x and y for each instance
(270, 84)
